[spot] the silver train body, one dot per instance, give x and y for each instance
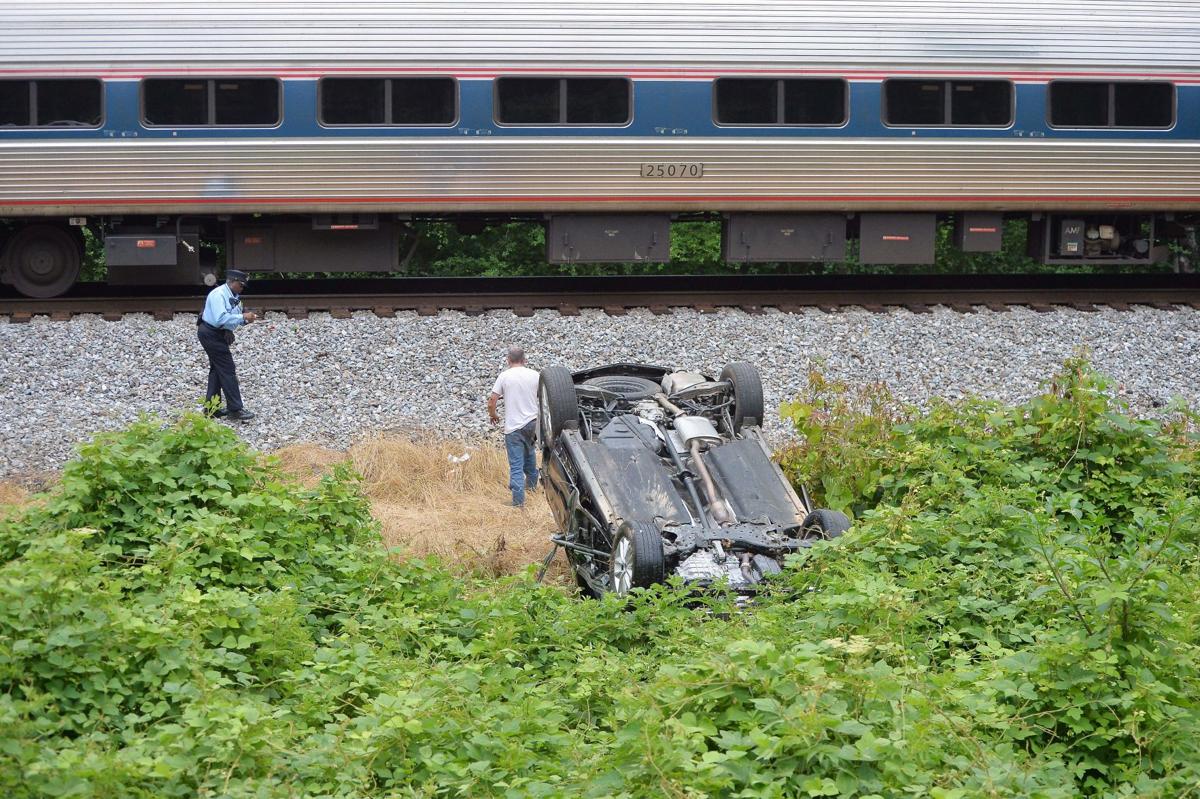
(671, 52)
(127, 172)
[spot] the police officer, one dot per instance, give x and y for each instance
(222, 313)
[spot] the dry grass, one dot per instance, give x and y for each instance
(13, 497)
(428, 504)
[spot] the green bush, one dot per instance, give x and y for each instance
(1013, 615)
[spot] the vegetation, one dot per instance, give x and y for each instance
(1013, 615)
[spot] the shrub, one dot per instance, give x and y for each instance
(1013, 615)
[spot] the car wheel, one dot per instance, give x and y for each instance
(827, 524)
(637, 558)
(747, 394)
(558, 407)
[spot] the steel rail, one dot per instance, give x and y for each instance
(619, 294)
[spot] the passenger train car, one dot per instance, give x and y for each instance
(306, 135)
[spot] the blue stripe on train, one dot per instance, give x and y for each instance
(661, 108)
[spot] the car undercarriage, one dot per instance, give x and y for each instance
(652, 472)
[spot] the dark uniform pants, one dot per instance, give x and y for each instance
(222, 374)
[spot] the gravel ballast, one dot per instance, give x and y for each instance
(329, 381)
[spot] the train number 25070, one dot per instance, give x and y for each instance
(673, 170)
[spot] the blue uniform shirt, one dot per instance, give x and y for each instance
(223, 308)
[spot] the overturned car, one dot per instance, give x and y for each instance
(652, 472)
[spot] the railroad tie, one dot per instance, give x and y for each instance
(427, 310)
(297, 313)
(523, 311)
(616, 310)
(384, 311)
(565, 309)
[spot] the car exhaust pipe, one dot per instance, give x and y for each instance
(716, 505)
(671, 407)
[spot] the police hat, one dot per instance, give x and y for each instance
(238, 275)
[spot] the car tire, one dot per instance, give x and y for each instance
(747, 394)
(637, 558)
(829, 524)
(558, 407)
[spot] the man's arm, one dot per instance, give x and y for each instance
(225, 314)
(492, 398)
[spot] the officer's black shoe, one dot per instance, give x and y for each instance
(219, 412)
(241, 416)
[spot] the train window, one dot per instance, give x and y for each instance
(15, 106)
(388, 101)
(74, 103)
(563, 101)
(814, 102)
(178, 102)
(597, 101)
(528, 101)
(175, 102)
(1076, 104)
(772, 101)
(252, 101)
(354, 101)
(747, 101)
(915, 102)
(67, 103)
(983, 103)
(423, 101)
(987, 103)
(1143, 105)
(1093, 104)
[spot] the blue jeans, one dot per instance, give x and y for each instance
(522, 465)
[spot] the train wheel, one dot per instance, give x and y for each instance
(43, 261)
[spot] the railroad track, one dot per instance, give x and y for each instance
(618, 295)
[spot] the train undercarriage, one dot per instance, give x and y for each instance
(43, 257)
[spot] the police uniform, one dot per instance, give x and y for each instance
(222, 314)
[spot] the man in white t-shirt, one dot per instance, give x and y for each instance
(518, 387)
